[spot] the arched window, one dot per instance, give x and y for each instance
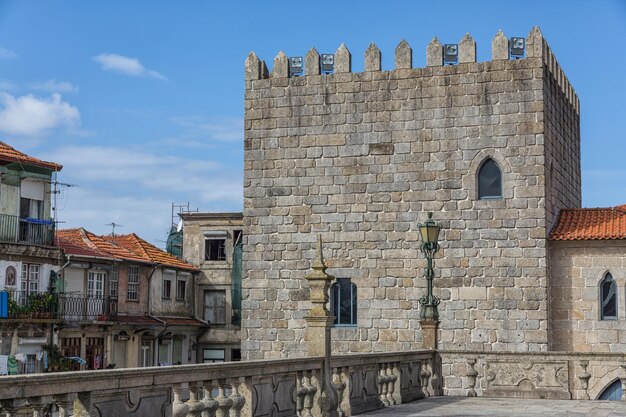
(608, 298)
(613, 392)
(343, 302)
(489, 180)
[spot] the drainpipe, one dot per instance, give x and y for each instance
(156, 339)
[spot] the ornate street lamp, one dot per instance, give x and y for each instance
(429, 232)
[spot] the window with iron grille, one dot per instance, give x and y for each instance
(167, 285)
(133, 283)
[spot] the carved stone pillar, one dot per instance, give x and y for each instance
(429, 333)
(319, 320)
(317, 334)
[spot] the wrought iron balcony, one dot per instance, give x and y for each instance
(79, 307)
(69, 307)
(32, 305)
(26, 230)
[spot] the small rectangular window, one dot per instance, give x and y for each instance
(215, 249)
(344, 302)
(133, 283)
(167, 289)
(212, 355)
(181, 287)
(113, 283)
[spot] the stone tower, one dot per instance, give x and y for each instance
(360, 158)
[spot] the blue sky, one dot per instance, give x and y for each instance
(142, 101)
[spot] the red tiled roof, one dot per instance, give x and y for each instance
(590, 224)
(123, 247)
(148, 252)
(10, 154)
(147, 320)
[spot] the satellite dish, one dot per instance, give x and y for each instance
(180, 226)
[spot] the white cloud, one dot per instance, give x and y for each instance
(7, 54)
(224, 129)
(31, 116)
(135, 188)
(6, 85)
(54, 86)
(126, 65)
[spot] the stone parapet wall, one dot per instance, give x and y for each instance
(360, 158)
(554, 375)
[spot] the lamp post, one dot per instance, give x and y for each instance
(429, 232)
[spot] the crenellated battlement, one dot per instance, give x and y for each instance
(536, 48)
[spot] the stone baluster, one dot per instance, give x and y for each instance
(340, 388)
(38, 405)
(425, 375)
(65, 402)
(584, 379)
(391, 387)
(224, 403)
(309, 395)
(194, 406)
(301, 392)
(8, 408)
(210, 403)
(383, 382)
(237, 399)
(179, 408)
(471, 377)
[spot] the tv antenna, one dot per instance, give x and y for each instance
(114, 225)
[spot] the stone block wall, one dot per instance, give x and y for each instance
(577, 268)
(360, 158)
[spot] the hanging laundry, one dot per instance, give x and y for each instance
(12, 365)
(96, 362)
(20, 357)
(45, 359)
(3, 364)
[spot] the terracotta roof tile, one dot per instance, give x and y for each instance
(10, 154)
(149, 252)
(123, 247)
(182, 321)
(590, 224)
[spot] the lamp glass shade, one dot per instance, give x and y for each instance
(433, 233)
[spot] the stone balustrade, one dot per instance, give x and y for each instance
(553, 375)
(284, 387)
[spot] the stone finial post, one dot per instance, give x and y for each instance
(534, 43)
(317, 334)
(312, 62)
(372, 58)
(404, 55)
(434, 53)
(343, 60)
(252, 67)
(467, 49)
(281, 66)
(500, 47)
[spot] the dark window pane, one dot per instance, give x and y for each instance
(215, 250)
(489, 180)
(609, 297)
(343, 302)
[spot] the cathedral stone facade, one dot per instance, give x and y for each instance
(361, 158)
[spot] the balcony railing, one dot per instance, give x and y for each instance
(78, 307)
(14, 229)
(34, 305)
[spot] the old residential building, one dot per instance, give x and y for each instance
(213, 243)
(28, 255)
(125, 302)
